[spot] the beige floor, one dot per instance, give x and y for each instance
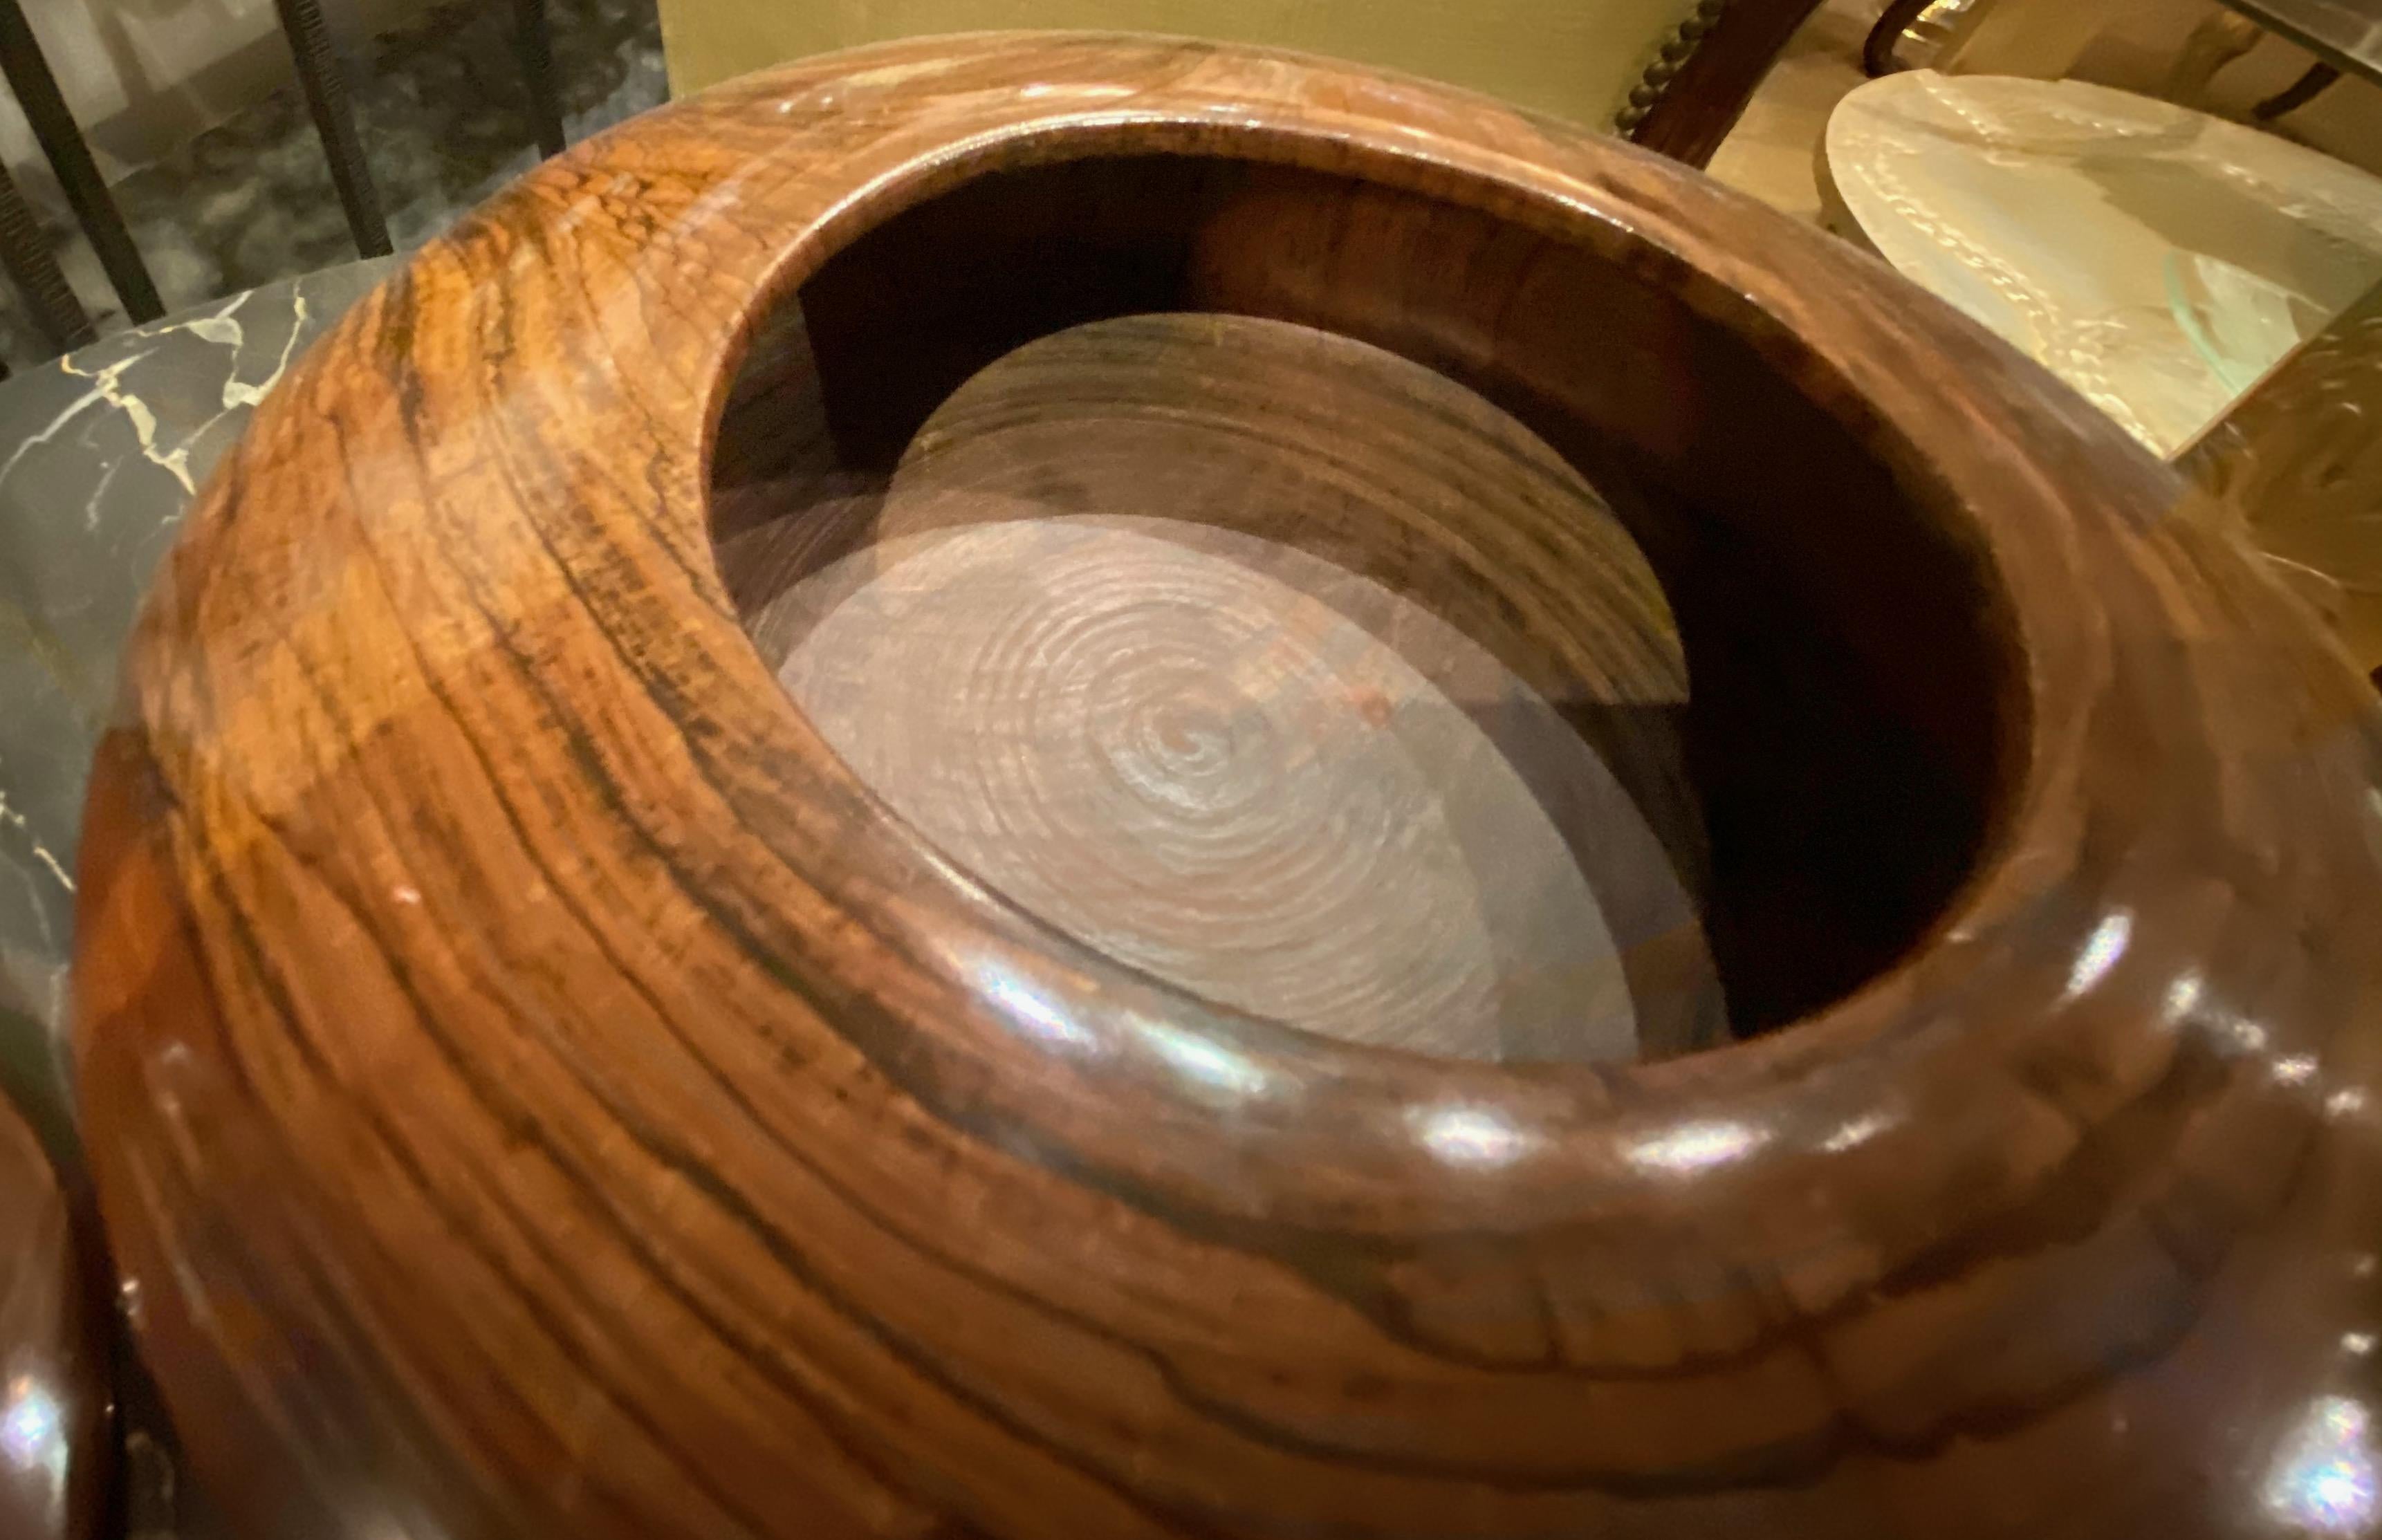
(1773, 151)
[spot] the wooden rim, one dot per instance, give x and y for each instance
(1562, 195)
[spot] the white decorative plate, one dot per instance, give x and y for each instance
(2157, 259)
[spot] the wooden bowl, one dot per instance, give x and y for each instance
(538, 1088)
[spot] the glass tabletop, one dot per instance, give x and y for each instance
(2344, 33)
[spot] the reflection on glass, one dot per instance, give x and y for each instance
(2323, 1476)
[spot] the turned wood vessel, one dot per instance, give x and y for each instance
(539, 1087)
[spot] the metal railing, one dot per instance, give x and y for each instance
(26, 255)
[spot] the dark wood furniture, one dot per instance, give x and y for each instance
(54, 1453)
(536, 1091)
(1698, 84)
(1886, 35)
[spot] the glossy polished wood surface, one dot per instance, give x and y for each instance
(538, 1090)
(53, 1404)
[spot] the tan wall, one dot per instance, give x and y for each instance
(1576, 58)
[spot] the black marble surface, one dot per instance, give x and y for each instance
(100, 454)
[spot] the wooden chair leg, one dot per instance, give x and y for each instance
(334, 121)
(2299, 93)
(1877, 49)
(1696, 89)
(52, 123)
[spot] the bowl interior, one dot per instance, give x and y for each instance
(1367, 611)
